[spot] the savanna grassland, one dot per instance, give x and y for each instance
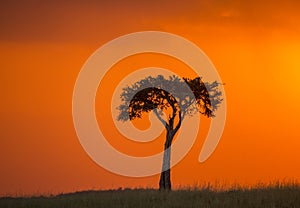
(276, 195)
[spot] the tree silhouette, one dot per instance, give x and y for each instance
(175, 97)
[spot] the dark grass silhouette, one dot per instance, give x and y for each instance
(276, 195)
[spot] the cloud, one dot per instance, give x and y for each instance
(91, 20)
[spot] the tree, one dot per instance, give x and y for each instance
(170, 96)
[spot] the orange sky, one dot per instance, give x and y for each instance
(255, 47)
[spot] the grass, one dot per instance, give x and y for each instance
(276, 195)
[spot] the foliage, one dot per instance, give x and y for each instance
(160, 93)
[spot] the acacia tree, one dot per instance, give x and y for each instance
(168, 96)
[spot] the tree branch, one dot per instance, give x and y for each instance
(179, 123)
(183, 115)
(160, 118)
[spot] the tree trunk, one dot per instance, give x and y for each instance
(165, 180)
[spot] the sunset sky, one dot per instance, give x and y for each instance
(254, 45)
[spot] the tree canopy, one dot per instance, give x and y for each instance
(160, 93)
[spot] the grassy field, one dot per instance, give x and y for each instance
(272, 196)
